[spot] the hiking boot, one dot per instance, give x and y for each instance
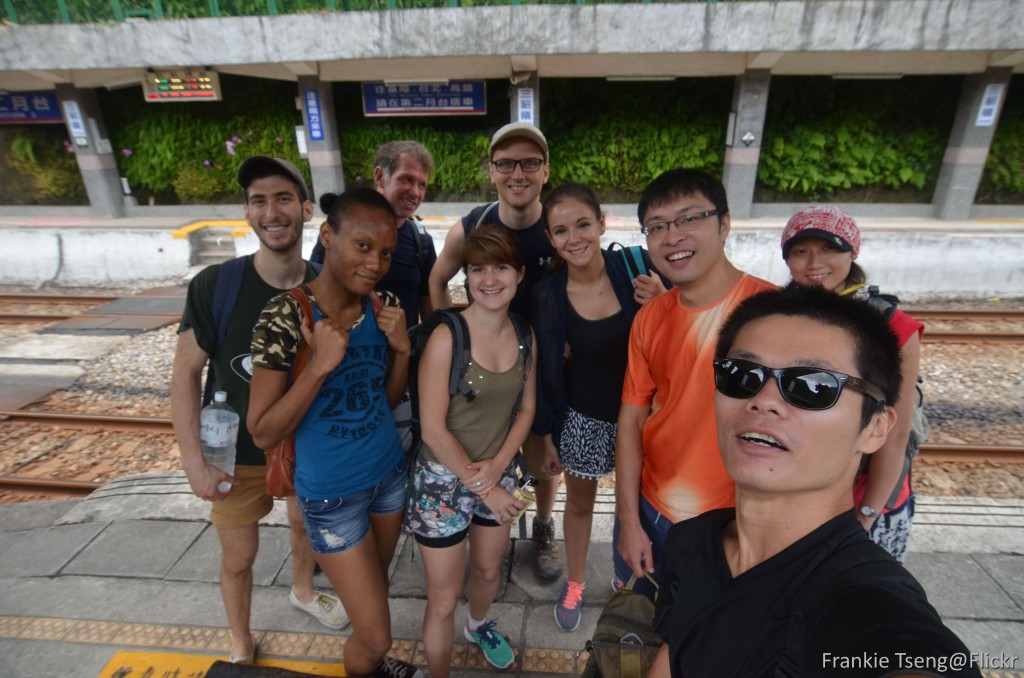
(549, 555)
(496, 649)
(324, 607)
(395, 668)
(567, 609)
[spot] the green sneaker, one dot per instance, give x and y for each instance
(494, 646)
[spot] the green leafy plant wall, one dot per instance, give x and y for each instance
(191, 152)
(1003, 180)
(855, 140)
(843, 141)
(38, 167)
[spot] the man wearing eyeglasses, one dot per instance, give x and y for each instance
(667, 466)
(518, 168)
(806, 381)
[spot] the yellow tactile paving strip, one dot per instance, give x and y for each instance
(277, 644)
(240, 227)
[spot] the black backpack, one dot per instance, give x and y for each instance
(461, 357)
(225, 296)
(478, 217)
(919, 426)
(421, 239)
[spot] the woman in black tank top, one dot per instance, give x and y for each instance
(582, 313)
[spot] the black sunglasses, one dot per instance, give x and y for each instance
(809, 388)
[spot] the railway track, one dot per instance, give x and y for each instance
(923, 314)
(73, 420)
(47, 486)
(66, 307)
(94, 299)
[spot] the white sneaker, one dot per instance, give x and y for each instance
(324, 607)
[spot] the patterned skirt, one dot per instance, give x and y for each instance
(588, 445)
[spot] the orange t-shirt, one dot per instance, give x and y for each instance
(671, 348)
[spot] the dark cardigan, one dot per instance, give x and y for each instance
(549, 307)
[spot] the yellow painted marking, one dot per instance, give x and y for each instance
(127, 664)
(196, 225)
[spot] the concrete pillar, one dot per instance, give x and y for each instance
(743, 145)
(93, 151)
(323, 145)
(526, 98)
(981, 101)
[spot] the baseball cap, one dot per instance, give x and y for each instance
(265, 166)
(520, 130)
(826, 223)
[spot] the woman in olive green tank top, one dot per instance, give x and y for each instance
(464, 475)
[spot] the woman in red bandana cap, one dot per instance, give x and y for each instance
(820, 245)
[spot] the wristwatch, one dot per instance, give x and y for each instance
(868, 512)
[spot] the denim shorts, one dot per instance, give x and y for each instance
(337, 525)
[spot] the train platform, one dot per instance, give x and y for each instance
(123, 583)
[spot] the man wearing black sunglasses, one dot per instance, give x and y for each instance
(805, 383)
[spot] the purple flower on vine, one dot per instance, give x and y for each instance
(126, 152)
(68, 147)
(207, 163)
(236, 139)
(279, 140)
(231, 147)
(249, 133)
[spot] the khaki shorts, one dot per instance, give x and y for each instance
(533, 454)
(247, 502)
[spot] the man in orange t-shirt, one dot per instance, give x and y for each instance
(667, 466)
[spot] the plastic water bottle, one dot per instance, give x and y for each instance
(218, 433)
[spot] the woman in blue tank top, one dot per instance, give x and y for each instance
(349, 464)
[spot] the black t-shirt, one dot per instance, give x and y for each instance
(721, 626)
(406, 279)
(232, 359)
(537, 253)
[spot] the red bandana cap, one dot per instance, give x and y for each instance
(825, 222)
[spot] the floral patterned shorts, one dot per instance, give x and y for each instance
(440, 508)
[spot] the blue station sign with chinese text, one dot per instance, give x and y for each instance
(19, 108)
(453, 97)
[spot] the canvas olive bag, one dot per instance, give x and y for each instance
(624, 643)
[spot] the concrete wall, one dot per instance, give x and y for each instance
(911, 264)
(736, 29)
(82, 258)
(911, 259)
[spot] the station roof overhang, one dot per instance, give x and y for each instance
(842, 38)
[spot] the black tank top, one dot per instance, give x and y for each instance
(597, 367)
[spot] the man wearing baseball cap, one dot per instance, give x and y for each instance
(518, 167)
(276, 202)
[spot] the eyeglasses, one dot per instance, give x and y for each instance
(507, 166)
(809, 388)
(682, 224)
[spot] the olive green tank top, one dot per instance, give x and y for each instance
(480, 426)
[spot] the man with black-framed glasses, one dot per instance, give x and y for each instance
(518, 168)
(805, 385)
(667, 467)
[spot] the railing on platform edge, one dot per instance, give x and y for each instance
(34, 12)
